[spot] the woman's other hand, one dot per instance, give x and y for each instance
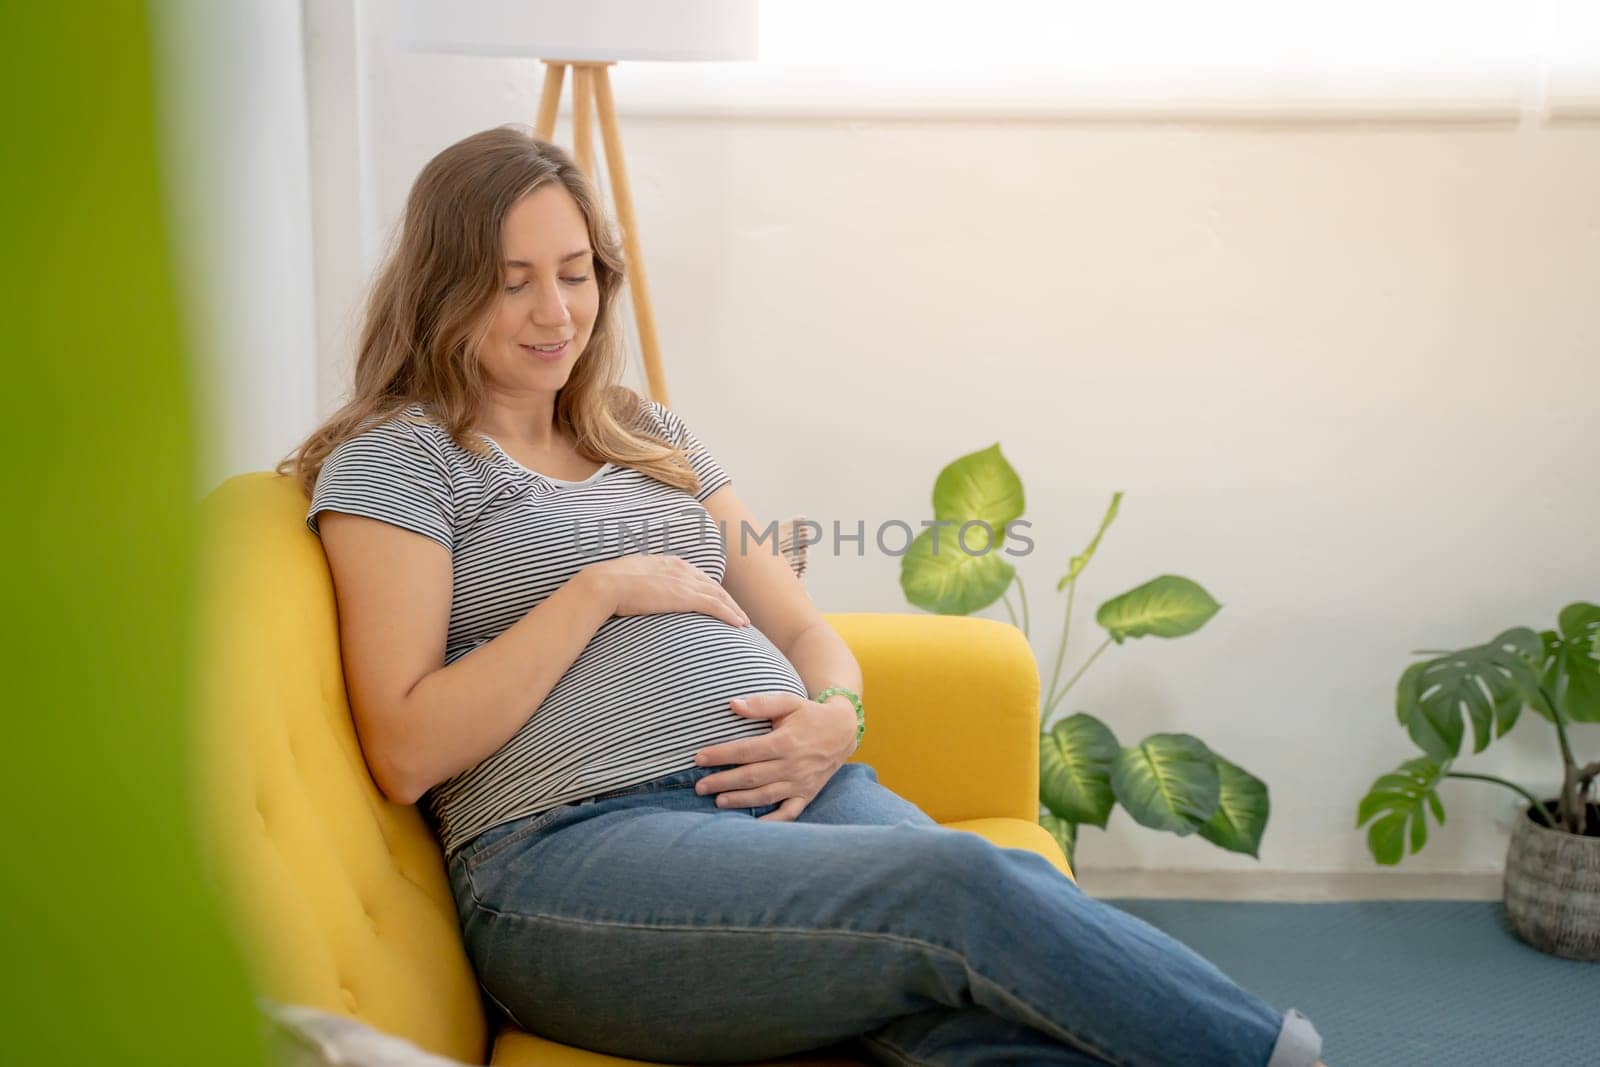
(652, 583)
(788, 766)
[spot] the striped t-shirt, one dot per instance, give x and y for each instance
(646, 693)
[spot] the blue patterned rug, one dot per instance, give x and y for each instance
(1407, 983)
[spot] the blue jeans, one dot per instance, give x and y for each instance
(649, 923)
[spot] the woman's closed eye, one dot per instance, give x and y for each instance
(578, 280)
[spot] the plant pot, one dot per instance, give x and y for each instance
(1552, 885)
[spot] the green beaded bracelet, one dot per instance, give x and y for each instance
(839, 690)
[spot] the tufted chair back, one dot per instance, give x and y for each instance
(340, 896)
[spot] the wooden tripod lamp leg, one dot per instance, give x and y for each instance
(549, 100)
(583, 118)
(630, 235)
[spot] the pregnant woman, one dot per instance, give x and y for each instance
(628, 724)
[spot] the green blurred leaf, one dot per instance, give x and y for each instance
(1548, 669)
(1168, 606)
(949, 580)
(1573, 675)
(1489, 682)
(1386, 838)
(118, 950)
(1419, 833)
(1075, 567)
(1168, 782)
(1241, 815)
(1400, 801)
(1075, 762)
(980, 485)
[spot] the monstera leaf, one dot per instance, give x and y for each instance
(1168, 782)
(1241, 815)
(1075, 759)
(1397, 800)
(1488, 682)
(1168, 606)
(1572, 664)
(938, 572)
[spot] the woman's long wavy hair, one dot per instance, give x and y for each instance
(435, 298)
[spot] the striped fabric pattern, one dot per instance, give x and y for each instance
(647, 692)
(792, 545)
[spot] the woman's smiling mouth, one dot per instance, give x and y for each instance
(548, 352)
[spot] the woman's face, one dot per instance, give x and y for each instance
(548, 295)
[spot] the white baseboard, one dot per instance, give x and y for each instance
(1291, 885)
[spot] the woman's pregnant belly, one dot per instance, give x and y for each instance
(646, 694)
(677, 663)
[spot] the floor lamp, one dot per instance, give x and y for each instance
(589, 38)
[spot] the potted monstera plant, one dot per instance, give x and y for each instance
(1168, 781)
(1551, 887)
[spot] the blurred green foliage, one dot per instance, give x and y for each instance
(116, 951)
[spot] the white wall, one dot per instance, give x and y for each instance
(1344, 372)
(232, 86)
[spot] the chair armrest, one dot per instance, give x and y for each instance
(952, 707)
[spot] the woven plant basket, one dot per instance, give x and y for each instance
(1552, 886)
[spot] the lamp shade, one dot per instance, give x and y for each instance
(581, 30)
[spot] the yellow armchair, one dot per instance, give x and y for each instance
(340, 897)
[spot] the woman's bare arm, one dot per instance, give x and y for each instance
(419, 721)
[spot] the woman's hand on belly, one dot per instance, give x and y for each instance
(649, 583)
(787, 766)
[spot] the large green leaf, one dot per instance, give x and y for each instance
(1572, 664)
(1080, 561)
(1242, 808)
(949, 580)
(1168, 782)
(1065, 833)
(1400, 802)
(1488, 682)
(1168, 606)
(1075, 758)
(981, 486)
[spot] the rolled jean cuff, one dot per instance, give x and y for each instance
(1299, 1044)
